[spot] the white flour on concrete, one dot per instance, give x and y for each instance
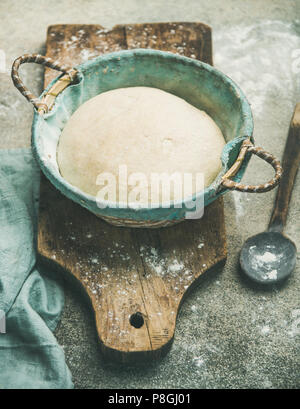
(264, 60)
(245, 51)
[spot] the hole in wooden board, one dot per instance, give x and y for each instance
(136, 320)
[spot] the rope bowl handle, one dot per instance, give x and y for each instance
(42, 107)
(260, 152)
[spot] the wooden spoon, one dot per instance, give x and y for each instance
(270, 257)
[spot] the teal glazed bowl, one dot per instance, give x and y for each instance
(198, 83)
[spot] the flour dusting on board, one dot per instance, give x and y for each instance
(162, 266)
(86, 54)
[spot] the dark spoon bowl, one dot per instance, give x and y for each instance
(268, 257)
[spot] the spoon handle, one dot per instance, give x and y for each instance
(290, 164)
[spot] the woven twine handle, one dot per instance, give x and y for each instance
(39, 59)
(268, 157)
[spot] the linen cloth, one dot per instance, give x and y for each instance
(32, 301)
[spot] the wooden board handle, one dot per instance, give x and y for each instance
(135, 279)
(290, 164)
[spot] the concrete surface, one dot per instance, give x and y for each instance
(229, 334)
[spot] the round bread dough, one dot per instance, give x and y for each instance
(146, 129)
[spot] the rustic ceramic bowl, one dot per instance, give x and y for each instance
(199, 84)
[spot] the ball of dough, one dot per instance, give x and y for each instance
(146, 129)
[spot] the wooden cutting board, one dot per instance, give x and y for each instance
(135, 279)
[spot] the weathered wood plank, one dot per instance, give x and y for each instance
(128, 271)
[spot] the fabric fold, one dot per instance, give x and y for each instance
(30, 356)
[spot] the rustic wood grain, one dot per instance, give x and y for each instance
(125, 271)
(189, 39)
(73, 44)
(290, 165)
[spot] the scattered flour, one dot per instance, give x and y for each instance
(267, 257)
(86, 54)
(175, 266)
(265, 262)
(158, 269)
(272, 275)
(267, 384)
(238, 204)
(295, 323)
(266, 48)
(161, 265)
(265, 330)
(263, 59)
(198, 361)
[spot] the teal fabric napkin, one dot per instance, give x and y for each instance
(32, 302)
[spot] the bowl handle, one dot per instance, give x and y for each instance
(42, 107)
(247, 146)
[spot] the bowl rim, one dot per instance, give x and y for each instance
(85, 198)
